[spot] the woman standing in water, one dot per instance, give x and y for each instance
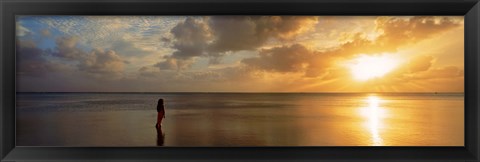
(160, 113)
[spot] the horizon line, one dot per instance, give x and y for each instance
(223, 92)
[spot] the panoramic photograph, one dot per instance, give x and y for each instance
(239, 81)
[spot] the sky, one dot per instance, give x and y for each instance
(240, 53)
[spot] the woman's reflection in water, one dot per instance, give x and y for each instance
(160, 136)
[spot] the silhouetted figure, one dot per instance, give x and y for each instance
(160, 113)
(160, 136)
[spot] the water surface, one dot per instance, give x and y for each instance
(241, 119)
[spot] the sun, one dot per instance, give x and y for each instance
(366, 67)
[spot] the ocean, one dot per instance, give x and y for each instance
(240, 119)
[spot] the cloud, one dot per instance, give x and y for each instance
(171, 63)
(201, 76)
(396, 32)
(215, 36)
(421, 74)
(235, 33)
(148, 71)
(191, 38)
(176, 52)
(97, 61)
(420, 63)
(89, 30)
(447, 72)
(32, 61)
(399, 31)
(21, 30)
(293, 58)
(66, 47)
(143, 32)
(128, 49)
(46, 33)
(102, 62)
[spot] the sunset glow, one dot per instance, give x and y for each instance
(240, 53)
(368, 67)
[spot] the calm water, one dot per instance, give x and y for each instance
(248, 119)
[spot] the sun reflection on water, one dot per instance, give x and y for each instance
(374, 114)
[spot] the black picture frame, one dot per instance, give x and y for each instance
(468, 8)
